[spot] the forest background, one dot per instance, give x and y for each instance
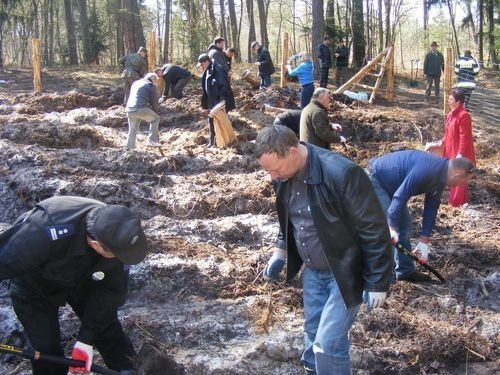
(80, 32)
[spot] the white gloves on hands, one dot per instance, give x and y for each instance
(394, 235)
(336, 127)
(422, 251)
(431, 145)
(342, 139)
(216, 108)
(82, 352)
(374, 299)
(459, 156)
(275, 264)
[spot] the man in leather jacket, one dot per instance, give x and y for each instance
(330, 221)
(77, 251)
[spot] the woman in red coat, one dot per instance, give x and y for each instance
(457, 141)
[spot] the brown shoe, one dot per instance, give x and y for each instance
(416, 276)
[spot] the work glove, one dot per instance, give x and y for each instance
(336, 127)
(82, 352)
(275, 264)
(422, 251)
(431, 145)
(394, 235)
(459, 156)
(162, 99)
(342, 139)
(373, 299)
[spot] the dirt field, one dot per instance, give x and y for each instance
(197, 304)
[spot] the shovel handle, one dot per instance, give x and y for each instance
(421, 261)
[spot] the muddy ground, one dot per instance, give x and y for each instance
(198, 304)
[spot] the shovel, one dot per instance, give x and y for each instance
(421, 261)
(37, 356)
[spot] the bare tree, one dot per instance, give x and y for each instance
(211, 15)
(166, 32)
(491, 33)
(70, 31)
(358, 34)
(263, 22)
(234, 26)
(84, 31)
(223, 20)
(317, 29)
(381, 45)
(251, 30)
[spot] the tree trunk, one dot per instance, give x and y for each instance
(329, 25)
(140, 40)
(223, 20)
(481, 47)
(84, 28)
(380, 28)
(470, 22)
(263, 23)
(251, 30)
(166, 32)
(213, 20)
(70, 31)
(45, 32)
(317, 30)
(387, 9)
(358, 34)
(426, 22)
(234, 26)
(51, 33)
(491, 34)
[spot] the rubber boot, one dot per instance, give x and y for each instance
(211, 143)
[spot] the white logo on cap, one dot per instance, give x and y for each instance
(98, 276)
(134, 239)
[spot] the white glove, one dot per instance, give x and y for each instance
(394, 235)
(430, 145)
(374, 299)
(336, 127)
(275, 264)
(82, 352)
(422, 251)
(459, 156)
(342, 139)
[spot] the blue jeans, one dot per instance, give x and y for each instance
(306, 92)
(327, 322)
(265, 80)
(404, 264)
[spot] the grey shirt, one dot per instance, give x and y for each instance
(142, 95)
(304, 230)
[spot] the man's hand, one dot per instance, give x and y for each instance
(257, 63)
(336, 127)
(394, 234)
(422, 251)
(374, 299)
(162, 99)
(275, 264)
(82, 352)
(342, 139)
(459, 156)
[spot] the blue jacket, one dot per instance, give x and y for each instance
(305, 72)
(404, 174)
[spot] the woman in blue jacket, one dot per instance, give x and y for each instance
(305, 73)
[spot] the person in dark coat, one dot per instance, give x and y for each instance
(135, 66)
(433, 66)
(466, 69)
(77, 251)
(216, 88)
(175, 78)
(217, 54)
(291, 119)
(341, 54)
(325, 61)
(265, 64)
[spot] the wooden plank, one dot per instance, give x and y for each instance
(382, 71)
(376, 75)
(448, 69)
(284, 58)
(152, 51)
(37, 71)
(364, 86)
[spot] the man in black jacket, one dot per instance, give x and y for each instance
(433, 66)
(77, 251)
(265, 64)
(175, 78)
(341, 53)
(325, 61)
(330, 221)
(216, 89)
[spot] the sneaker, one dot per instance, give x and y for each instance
(415, 276)
(309, 371)
(153, 144)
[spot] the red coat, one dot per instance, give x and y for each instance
(458, 135)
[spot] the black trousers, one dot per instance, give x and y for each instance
(40, 320)
(323, 76)
(177, 91)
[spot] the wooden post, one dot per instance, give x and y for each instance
(152, 51)
(448, 69)
(37, 71)
(389, 71)
(284, 57)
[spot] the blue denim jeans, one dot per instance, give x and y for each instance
(306, 93)
(327, 322)
(404, 264)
